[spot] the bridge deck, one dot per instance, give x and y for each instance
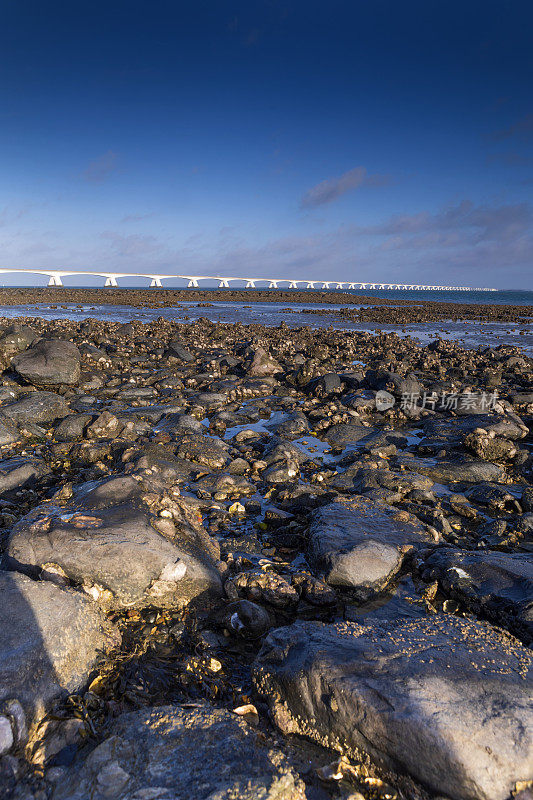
(156, 280)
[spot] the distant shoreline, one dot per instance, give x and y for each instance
(395, 310)
(153, 297)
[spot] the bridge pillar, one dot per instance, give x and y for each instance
(111, 281)
(223, 284)
(293, 285)
(55, 280)
(155, 283)
(339, 286)
(250, 284)
(193, 284)
(325, 285)
(273, 285)
(310, 284)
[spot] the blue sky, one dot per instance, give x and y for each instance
(350, 140)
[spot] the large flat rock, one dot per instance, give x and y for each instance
(499, 585)
(358, 480)
(455, 471)
(8, 430)
(445, 699)
(49, 641)
(21, 472)
(167, 753)
(362, 543)
(118, 548)
(509, 426)
(49, 362)
(36, 407)
(342, 435)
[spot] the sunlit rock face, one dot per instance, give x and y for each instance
(446, 699)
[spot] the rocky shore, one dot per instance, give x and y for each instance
(377, 309)
(263, 562)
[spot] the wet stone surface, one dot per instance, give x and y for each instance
(361, 544)
(166, 753)
(444, 698)
(238, 544)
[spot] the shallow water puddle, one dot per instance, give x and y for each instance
(258, 427)
(313, 447)
(441, 490)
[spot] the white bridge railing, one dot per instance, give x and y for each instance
(111, 279)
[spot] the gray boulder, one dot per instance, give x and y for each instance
(327, 384)
(493, 583)
(177, 350)
(400, 599)
(167, 753)
(455, 471)
(521, 398)
(224, 486)
(105, 426)
(49, 362)
(203, 450)
(15, 339)
(292, 426)
(36, 407)
(8, 431)
(21, 472)
(261, 364)
(341, 435)
(361, 544)
(8, 393)
(178, 424)
(398, 385)
(277, 452)
(489, 447)
(445, 699)
(509, 426)
(362, 479)
(164, 466)
(72, 427)
(119, 549)
(382, 438)
(49, 641)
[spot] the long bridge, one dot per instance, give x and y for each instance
(55, 278)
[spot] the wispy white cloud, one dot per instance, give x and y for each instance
(521, 129)
(331, 189)
(475, 223)
(13, 212)
(136, 217)
(100, 168)
(463, 243)
(510, 159)
(134, 245)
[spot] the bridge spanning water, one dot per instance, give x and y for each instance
(55, 278)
